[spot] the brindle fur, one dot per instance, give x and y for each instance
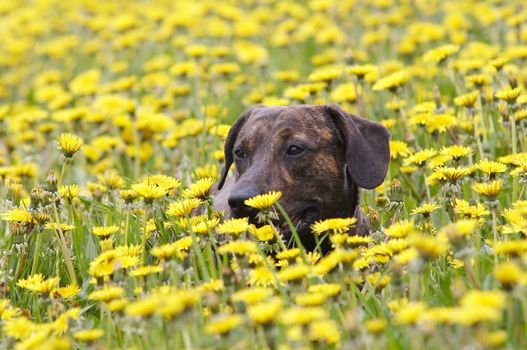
(322, 182)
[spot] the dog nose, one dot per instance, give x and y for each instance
(237, 203)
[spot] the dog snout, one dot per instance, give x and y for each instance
(237, 200)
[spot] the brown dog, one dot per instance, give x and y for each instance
(317, 156)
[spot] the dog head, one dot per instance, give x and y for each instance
(316, 156)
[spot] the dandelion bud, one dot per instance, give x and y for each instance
(52, 181)
(381, 201)
(36, 197)
(396, 191)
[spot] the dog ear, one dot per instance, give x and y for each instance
(367, 147)
(229, 144)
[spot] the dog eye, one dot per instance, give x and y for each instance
(239, 154)
(294, 150)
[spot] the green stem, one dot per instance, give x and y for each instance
(514, 151)
(63, 247)
(34, 267)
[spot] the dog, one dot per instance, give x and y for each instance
(318, 156)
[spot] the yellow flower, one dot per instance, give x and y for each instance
(429, 246)
(263, 201)
(69, 144)
(251, 295)
(88, 335)
(401, 229)
(459, 229)
(302, 315)
(288, 254)
(452, 174)
(37, 284)
(69, 191)
(104, 231)
(294, 272)
(509, 95)
(475, 211)
(478, 80)
(145, 270)
(398, 149)
(328, 289)
(491, 167)
(167, 183)
(18, 215)
(264, 233)
(376, 325)
(456, 151)
(410, 313)
(55, 226)
(509, 274)
(360, 71)
(107, 293)
(239, 247)
(149, 192)
(425, 209)
(324, 331)
(145, 307)
(234, 227)
(265, 312)
(441, 53)
(128, 195)
(223, 323)
(67, 292)
(392, 81)
(467, 100)
(420, 157)
(335, 225)
(184, 207)
(199, 189)
(512, 247)
(488, 189)
(169, 250)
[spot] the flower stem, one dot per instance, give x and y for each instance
(63, 247)
(36, 254)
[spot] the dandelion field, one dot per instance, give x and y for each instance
(112, 122)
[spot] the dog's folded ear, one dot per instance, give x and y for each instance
(367, 147)
(229, 144)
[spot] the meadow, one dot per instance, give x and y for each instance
(112, 122)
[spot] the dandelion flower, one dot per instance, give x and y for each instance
(37, 284)
(488, 189)
(467, 100)
(491, 167)
(104, 231)
(336, 225)
(263, 201)
(239, 248)
(508, 274)
(223, 323)
(441, 53)
(265, 312)
(69, 144)
(199, 189)
(509, 95)
(425, 209)
(234, 227)
(88, 335)
(67, 292)
(401, 229)
(184, 207)
(69, 191)
(392, 81)
(148, 192)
